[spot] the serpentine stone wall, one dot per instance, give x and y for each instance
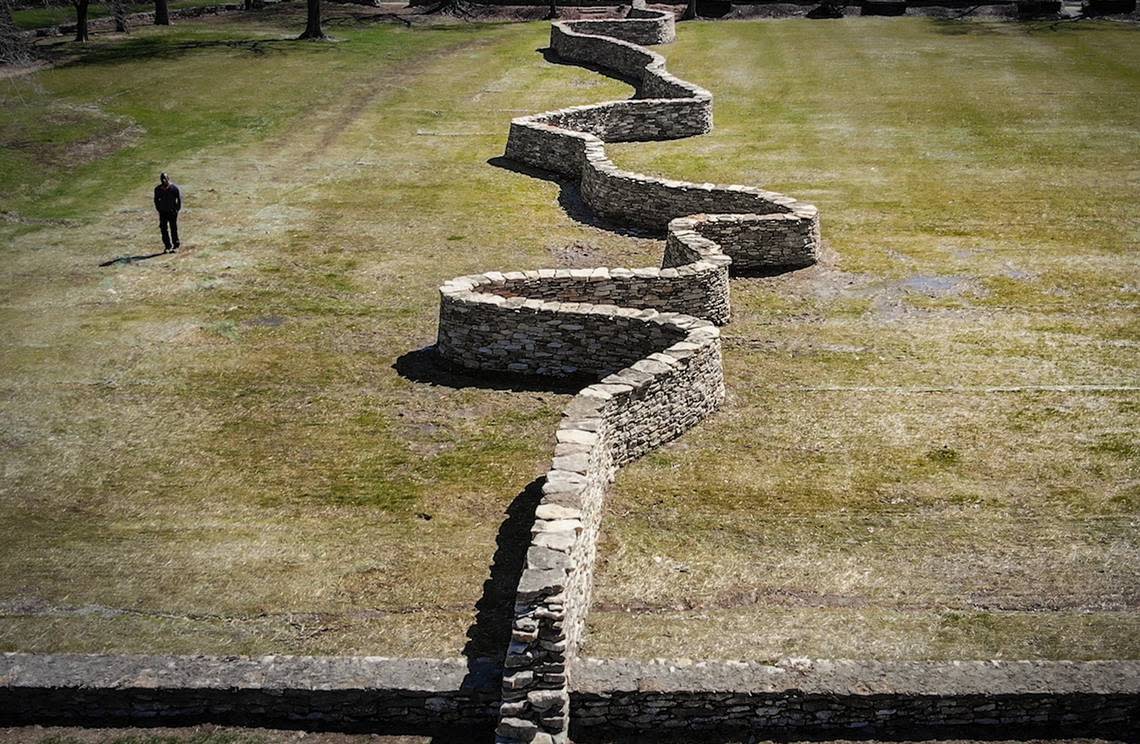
(648, 335)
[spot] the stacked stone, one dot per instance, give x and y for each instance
(816, 696)
(697, 285)
(607, 425)
(481, 330)
(1092, 698)
(78, 689)
(571, 142)
(649, 333)
(639, 27)
(757, 243)
(637, 120)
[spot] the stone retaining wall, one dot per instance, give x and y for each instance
(808, 697)
(423, 696)
(649, 333)
(371, 693)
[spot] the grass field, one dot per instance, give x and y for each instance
(215, 452)
(930, 447)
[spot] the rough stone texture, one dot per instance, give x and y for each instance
(806, 697)
(795, 696)
(649, 336)
(571, 142)
(372, 692)
(648, 333)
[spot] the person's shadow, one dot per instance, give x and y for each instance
(124, 260)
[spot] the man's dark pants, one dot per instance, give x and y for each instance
(168, 219)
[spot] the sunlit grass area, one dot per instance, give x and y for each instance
(213, 451)
(929, 449)
(929, 444)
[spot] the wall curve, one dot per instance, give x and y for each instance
(648, 336)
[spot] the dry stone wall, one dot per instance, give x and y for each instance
(372, 693)
(809, 697)
(448, 696)
(648, 335)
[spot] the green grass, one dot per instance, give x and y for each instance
(214, 452)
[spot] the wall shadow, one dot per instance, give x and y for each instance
(490, 634)
(428, 367)
(160, 47)
(552, 57)
(570, 199)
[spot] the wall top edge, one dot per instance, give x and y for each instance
(820, 676)
(852, 677)
(113, 671)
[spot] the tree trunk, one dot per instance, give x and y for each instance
(15, 49)
(553, 13)
(80, 20)
(119, 11)
(690, 11)
(313, 26)
(161, 13)
(247, 5)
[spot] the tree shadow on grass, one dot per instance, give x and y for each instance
(159, 47)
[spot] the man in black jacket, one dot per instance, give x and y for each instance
(168, 200)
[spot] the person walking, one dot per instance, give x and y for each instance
(168, 201)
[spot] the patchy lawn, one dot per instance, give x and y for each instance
(213, 451)
(930, 444)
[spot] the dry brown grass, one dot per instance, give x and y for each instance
(929, 447)
(214, 453)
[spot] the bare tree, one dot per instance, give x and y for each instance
(80, 19)
(161, 13)
(690, 11)
(15, 49)
(313, 24)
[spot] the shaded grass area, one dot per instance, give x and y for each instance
(928, 449)
(213, 451)
(56, 15)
